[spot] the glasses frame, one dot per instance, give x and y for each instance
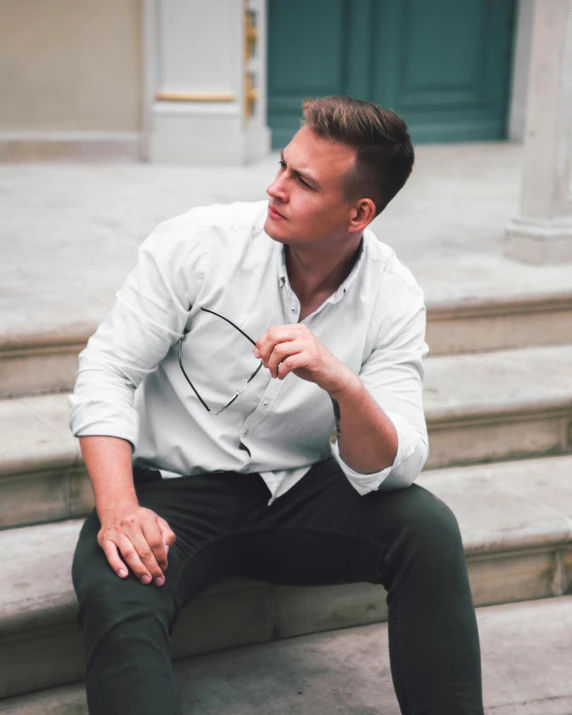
(246, 381)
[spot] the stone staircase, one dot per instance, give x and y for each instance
(500, 423)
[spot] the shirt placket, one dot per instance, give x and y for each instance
(263, 409)
(291, 311)
(292, 304)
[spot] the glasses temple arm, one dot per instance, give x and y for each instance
(230, 323)
(204, 404)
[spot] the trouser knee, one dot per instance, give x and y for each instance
(427, 538)
(122, 625)
(114, 610)
(426, 521)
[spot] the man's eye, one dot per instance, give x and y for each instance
(282, 164)
(304, 183)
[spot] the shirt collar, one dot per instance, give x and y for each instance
(282, 270)
(343, 289)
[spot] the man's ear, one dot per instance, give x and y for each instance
(362, 215)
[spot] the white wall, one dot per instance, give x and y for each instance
(70, 65)
(195, 75)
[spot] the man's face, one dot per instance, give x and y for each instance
(307, 206)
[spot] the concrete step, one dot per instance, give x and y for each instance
(42, 477)
(479, 303)
(526, 654)
(478, 325)
(39, 363)
(516, 522)
(499, 405)
(39, 360)
(495, 406)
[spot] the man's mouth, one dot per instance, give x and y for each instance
(273, 213)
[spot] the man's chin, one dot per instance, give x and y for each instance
(271, 230)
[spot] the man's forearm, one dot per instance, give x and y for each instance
(130, 535)
(108, 462)
(366, 436)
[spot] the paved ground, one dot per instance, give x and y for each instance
(69, 233)
(526, 653)
(347, 671)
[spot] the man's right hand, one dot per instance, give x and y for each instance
(141, 537)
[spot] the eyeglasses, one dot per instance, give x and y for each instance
(240, 390)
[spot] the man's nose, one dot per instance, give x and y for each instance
(277, 191)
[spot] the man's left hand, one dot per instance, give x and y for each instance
(294, 348)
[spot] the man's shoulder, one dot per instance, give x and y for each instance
(218, 229)
(393, 275)
(221, 217)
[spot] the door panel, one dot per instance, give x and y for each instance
(305, 59)
(428, 45)
(444, 65)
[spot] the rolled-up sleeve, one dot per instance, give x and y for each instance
(393, 375)
(148, 317)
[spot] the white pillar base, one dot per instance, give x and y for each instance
(539, 242)
(542, 233)
(205, 81)
(204, 134)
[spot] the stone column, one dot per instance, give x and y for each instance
(542, 233)
(205, 81)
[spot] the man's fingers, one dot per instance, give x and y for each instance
(294, 362)
(147, 557)
(141, 541)
(154, 537)
(112, 555)
(167, 533)
(278, 334)
(126, 548)
(281, 351)
(131, 557)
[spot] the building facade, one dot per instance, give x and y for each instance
(223, 81)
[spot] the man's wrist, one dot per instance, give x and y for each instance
(117, 506)
(350, 386)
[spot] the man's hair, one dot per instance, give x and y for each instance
(384, 156)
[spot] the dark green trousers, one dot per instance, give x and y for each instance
(320, 532)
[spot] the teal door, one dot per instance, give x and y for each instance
(444, 65)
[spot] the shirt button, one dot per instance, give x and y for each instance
(293, 310)
(265, 404)
(245, 433)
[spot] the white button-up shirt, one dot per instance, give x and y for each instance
(130, 384)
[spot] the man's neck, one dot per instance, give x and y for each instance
(315, 275)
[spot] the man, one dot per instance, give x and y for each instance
(251, 331)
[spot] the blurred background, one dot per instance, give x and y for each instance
(198, 81)
(118, 114)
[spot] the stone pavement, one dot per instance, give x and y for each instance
(526, 649)
(69, 233)
(347, 671)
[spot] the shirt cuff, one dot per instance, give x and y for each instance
(407, 439)
(94, 418)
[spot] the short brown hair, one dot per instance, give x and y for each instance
(385, 155)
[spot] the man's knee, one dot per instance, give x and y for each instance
(433, 515)
(91, 573)
(426, 543)
(425, 520)
(104, 599)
